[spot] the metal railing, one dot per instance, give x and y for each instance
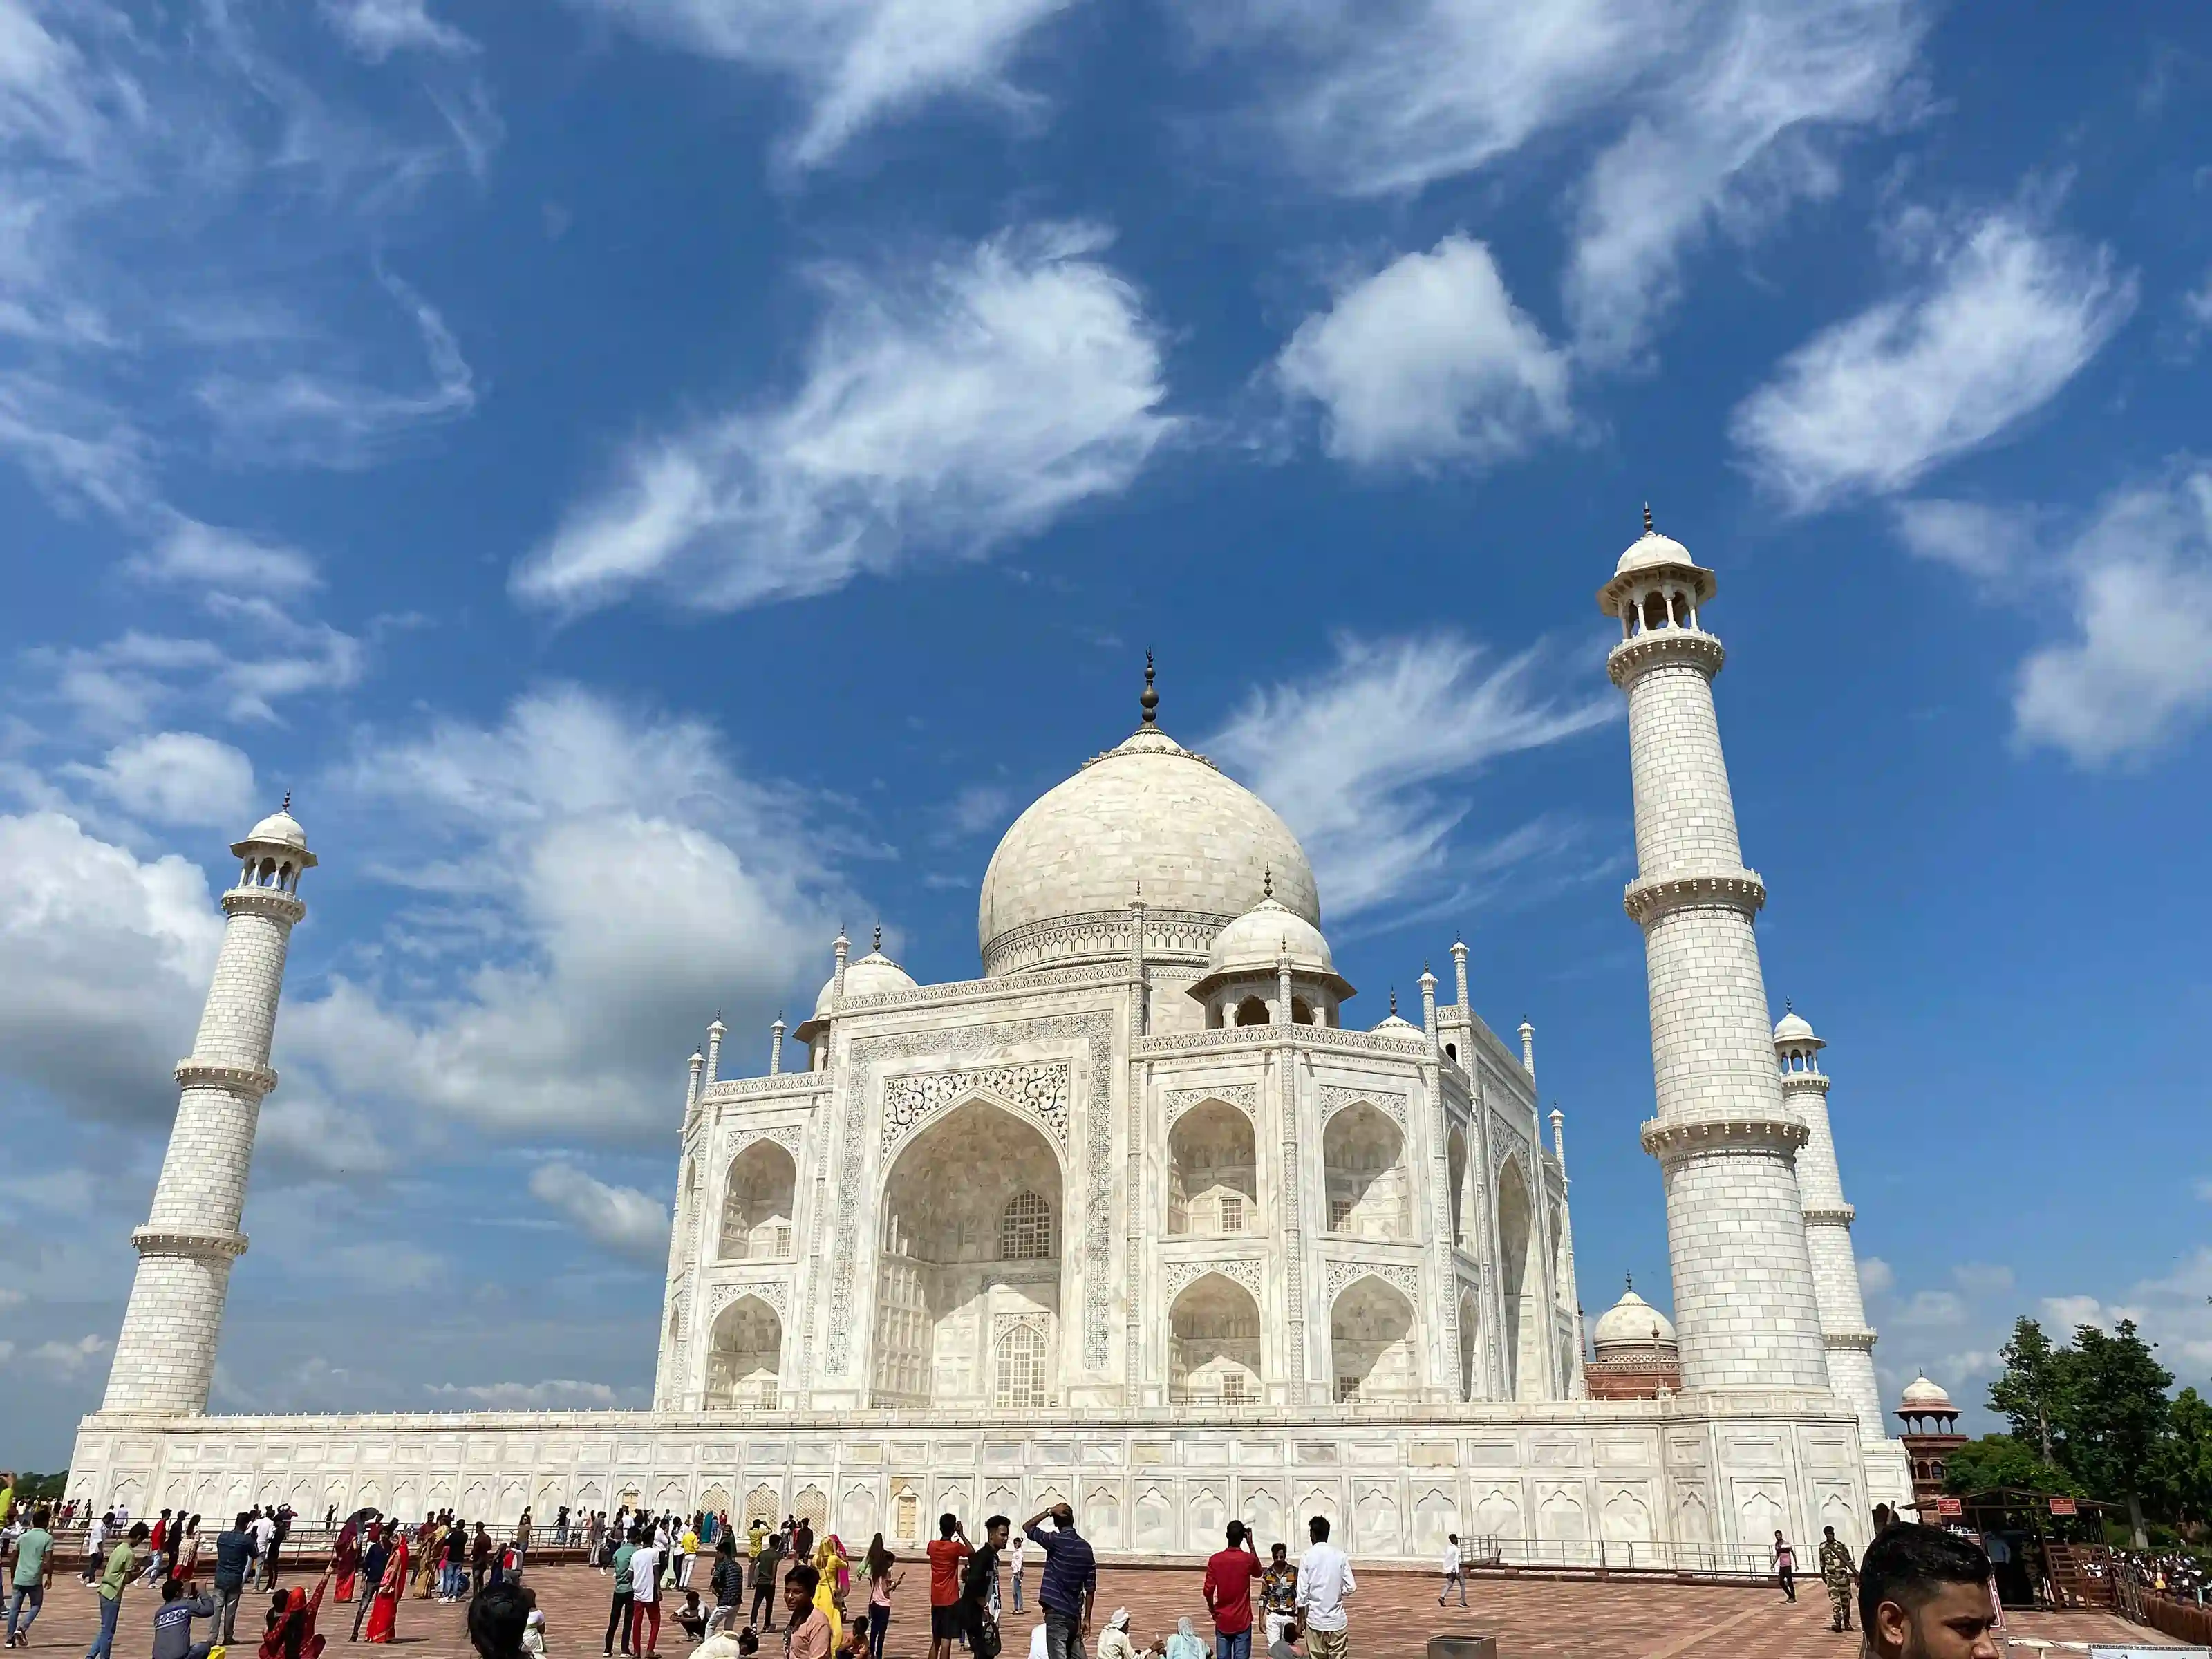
(1622, 1556)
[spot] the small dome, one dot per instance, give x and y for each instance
(873, 975)
(1922, 1395)
(279, 826)
(1791, 1028)
(1651, 550)
(1253, 942)
(1395, 1023)
(1633, 1322)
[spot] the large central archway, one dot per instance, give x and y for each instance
(968, 1288)
(1213, 1344)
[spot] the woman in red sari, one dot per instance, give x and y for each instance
(293, 1635)
(384, 1612)
(345, 1558)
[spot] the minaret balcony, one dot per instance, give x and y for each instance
(1660, 646)
(270, 902)
(1650, 897)
(255, 1080)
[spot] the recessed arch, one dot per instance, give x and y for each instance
(1213, 1185)
(1470, 1348)
(744, 1356)
(759, 1194)
(973, 1235)
(1253, 1012)
(1214, 1343)
(1363, 1163)
(1370, 1333)
(1455, 1171)
(1520, 1277)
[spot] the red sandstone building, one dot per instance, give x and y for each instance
(1931, 1435)
(1636, 1356)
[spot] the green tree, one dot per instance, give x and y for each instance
(2004, 1460)
(2031, 1394)
(2186, 1458)
(2117, 1417)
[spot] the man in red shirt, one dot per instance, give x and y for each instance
(946, 1552)
(1229, 1577)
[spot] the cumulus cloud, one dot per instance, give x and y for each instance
(177, 778)
(1730, 138)
(131, 679)
(2069, 1312)
(1877, 1276)
(2007, 316)
(621, 1217)
(378, 28)
(1428, 360)
(1357, 757)
(1931, 1308)
(2137, 674)
(601, 881)
(948, 408)
(106, 959)
(855, 62)
(226, 561)
(65, 1361)
(1977, 537)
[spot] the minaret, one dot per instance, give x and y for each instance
(1726, 1140)
(1569, 1297)
(1828, 1227)
(165, 1356)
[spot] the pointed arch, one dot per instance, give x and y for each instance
(1371, 1343)
(1364, 1164)
(744, 1357)
(1520, 1273)
(1455, 1174)
(1214, 1343)
(759, 1196)
(1213, 1162)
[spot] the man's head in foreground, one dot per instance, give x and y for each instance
(1924, 1594)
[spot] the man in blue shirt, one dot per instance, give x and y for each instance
(1069, 1582)
(233, 1554)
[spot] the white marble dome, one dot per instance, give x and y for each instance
(1922, 1395)
(279, 828)
(1792, 1028)
(1253, 942)
(871, 975)
(1651, 551)
(1632, 1320)
(1149, 815)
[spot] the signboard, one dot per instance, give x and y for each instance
(2063, 1506)
(1946, 1506)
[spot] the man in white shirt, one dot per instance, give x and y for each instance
(644, 1599)
(1325, 1580)
(1454, 1570)
(264, 1528)
(1014, 1561)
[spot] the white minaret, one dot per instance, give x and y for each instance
(1844, 1327)
(1726, 1140)
(165, 1358)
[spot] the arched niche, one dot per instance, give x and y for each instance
(1456, 1174)
(1214, 1343)
(1213, 1184)
(974, 1237)
(744, 1356)
(1371, 1335)
(1521, 1274)
(1363, 1163)
(1470, 1345)
(758, 1197)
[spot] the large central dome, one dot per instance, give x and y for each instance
(1151, 816)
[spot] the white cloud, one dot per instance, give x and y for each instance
(1354, 757)
(106, 960)
(2205, 1188)
(1877, 1276)
(1980, 539)
(1428, 360)
(856, 61)
(558, 1394)
(68, 1361)
(378, 28)
(1931, 1308)
(127, 681)
(978, 808)
(177, 777)
(320, 1138)
(947, 409)
(2196, 304)
(1982, 1277)
(2138, 674)
(227, 561)
(2067, 1312)
(1729, 138)
(2008, 317)
(312, 417)
(621, 1217)
(567, 1007)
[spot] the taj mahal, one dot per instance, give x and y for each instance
(1143, 1220)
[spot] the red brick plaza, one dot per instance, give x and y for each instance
(1393, 1615)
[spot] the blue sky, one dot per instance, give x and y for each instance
(659, 478)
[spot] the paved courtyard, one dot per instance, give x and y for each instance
(1394, 1615)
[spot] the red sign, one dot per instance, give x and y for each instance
(1949, 1506)
(2063, 1506)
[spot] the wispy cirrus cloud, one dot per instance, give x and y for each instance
(855, 62)
(621, 1217)
(1428, 361)
(378, 28)
(948, 407)
(2007, 315)
(1357, 758)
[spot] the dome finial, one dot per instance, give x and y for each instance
(1267, 883)
(1394, 1001)
(1630, 1278)
(1788, 1006)
(287, 806)
(1150, 700)
(880, 935)
(1647, 517)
